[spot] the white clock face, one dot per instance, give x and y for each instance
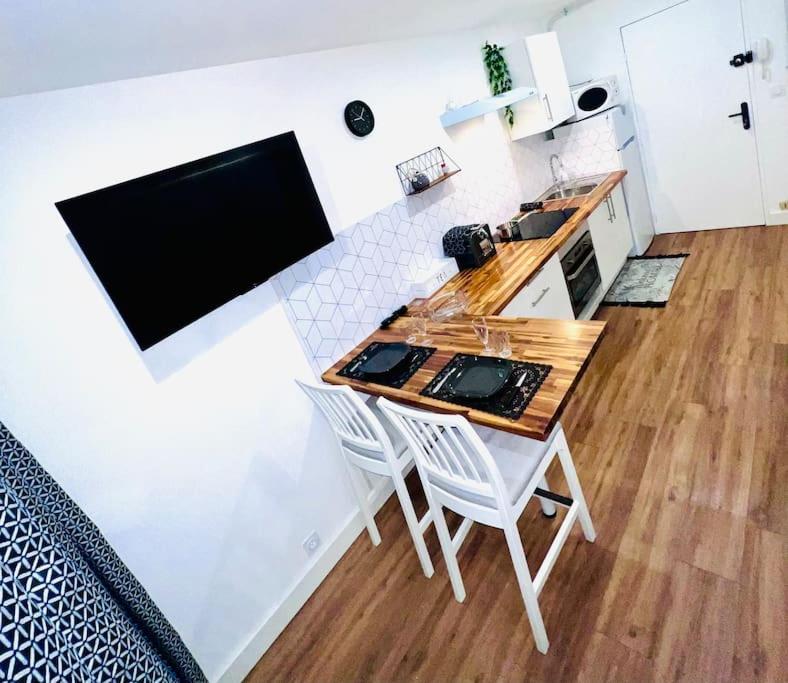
(359, 118)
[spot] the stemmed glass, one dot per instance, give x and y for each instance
(482, 332)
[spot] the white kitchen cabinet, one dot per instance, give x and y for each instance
(611, 235)
(536, 62)
(545, 296)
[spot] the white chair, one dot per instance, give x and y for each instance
(367, 445)
(490, 481)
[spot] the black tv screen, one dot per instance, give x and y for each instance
(172, 246)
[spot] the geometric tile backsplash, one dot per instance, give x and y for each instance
(587, 147)
(337, 296)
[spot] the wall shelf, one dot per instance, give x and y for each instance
(485, 106)
(438, 180)
(434, 165)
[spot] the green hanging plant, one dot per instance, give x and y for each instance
(498, 74)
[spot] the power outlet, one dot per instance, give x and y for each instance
(432, 278)
(784, 205)
(311, 543)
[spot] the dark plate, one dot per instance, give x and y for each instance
(385, 358)
(485, 378)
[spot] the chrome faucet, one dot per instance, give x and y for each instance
(556, 177)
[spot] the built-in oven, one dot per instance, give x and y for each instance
(581, 272)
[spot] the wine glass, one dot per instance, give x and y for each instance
(482, 331)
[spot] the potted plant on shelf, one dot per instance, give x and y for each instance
(498, 74)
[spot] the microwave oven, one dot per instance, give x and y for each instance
(593, 97)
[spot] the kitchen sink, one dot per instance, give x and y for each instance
(566, 190)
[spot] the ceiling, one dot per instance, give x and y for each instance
(50, 44)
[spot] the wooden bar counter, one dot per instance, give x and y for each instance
(566, 345)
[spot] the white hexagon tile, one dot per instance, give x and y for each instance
(338, 295)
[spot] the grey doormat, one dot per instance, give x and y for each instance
(645, 281)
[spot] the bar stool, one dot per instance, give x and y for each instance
(367, 445)
(491, 482)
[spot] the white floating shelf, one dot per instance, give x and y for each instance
(482, 107)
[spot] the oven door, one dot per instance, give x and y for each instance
(583, 279)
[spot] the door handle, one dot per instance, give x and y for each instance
(745, 115)
(577, 271)
(546, 100)
(540, 297)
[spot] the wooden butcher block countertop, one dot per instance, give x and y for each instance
(492, 286)
(566, 345)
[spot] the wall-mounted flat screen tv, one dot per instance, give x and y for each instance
(172, 246)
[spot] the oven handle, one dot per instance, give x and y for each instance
(578, 270)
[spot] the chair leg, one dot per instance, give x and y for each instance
(526, 586)
(446, 546)
(413, 524)
(361, 490)
(575, 490)
(548, 506)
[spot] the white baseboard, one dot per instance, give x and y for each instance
(777, 217)
(302, 589)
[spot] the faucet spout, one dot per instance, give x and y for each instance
(555, 161)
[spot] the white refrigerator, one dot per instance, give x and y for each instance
(604, 143)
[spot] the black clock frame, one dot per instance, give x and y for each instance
(352, 123)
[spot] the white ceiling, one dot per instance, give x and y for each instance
(49, 44)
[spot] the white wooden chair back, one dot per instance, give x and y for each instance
(361, 436)
(453, 460)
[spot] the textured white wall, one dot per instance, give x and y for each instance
(200, 459)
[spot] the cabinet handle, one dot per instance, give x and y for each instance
(540, 297)
(612, 206)
(609, 210)
(546, 100)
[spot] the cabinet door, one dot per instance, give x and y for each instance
(545, 296)
(536, 62)
(610, 233)
(549, 72)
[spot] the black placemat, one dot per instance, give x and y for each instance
(396, 378)
(510, 402)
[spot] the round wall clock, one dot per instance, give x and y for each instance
(359, 118)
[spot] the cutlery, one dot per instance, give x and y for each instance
(443, 381)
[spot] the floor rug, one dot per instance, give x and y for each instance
(645, 281)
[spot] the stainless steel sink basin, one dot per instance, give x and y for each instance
(565, 191)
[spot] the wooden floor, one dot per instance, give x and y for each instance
(679, 432)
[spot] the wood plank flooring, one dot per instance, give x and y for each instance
(679, 432)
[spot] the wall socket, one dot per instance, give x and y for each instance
(784, 205)
(432, 278)
(311, 543)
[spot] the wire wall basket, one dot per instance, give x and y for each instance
(426, 170)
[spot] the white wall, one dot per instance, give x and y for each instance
(591, 44)
(200, 460)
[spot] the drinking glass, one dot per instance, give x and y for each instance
(499, 343)
(417, 329)
(482, 331)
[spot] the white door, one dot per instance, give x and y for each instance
(701, 166)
